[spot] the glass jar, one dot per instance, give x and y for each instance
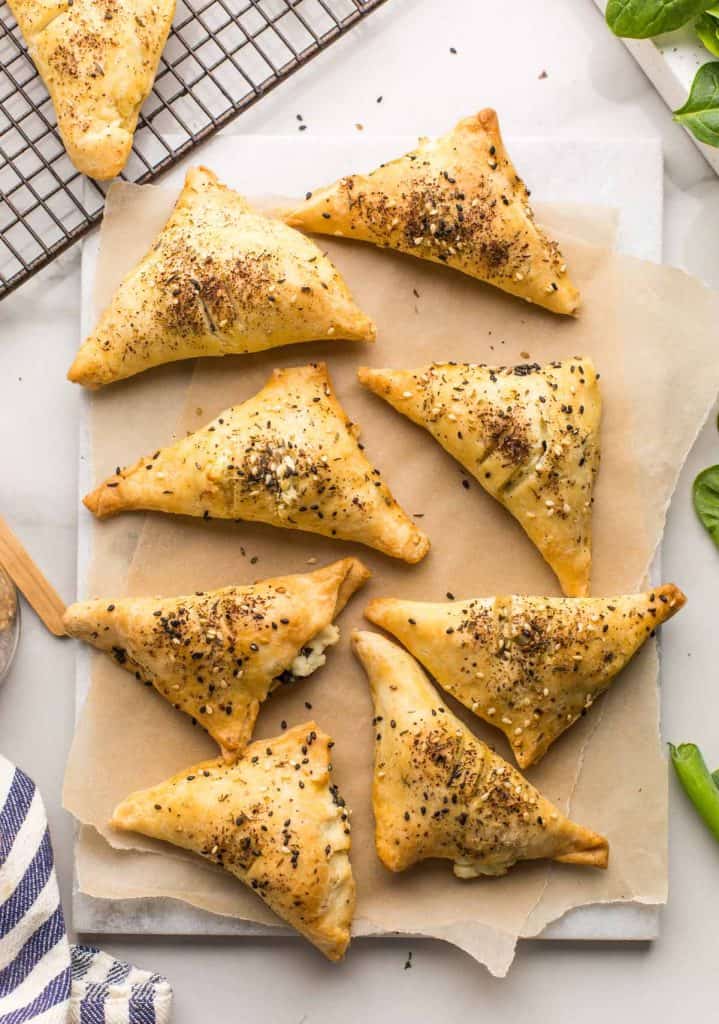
(9, 623)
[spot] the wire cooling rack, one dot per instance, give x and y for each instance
(221, 57)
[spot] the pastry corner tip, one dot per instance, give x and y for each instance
(292, 215)
(525, 758)
(573, 302)
(592, 851)
(337, 953)
(230, 753)
(71, 619)
(334, 942)
(574, 586)
(357, 571)
(370, 377)
(374, 612)
(487, 118)
(202, 170)
(565, 300)
(574, 573)
(358, 327)
(360, 640)
(675, 598)
(84, 371)
(315, 736)
(102, 152)
(318, 369)
(350, 575)
(307, 371)
(375, 651)
(91, 502)
(122, 818)
(102, 502)
(417, 547)
(368, 331)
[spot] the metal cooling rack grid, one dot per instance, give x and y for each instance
(221, 57)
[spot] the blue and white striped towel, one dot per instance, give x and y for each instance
(42, 978)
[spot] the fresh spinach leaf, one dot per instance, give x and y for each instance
(706, 500)
(707, 28)
(700, 113)
(639, 19)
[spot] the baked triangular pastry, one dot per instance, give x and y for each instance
(456, 200)
(289, 456)
(98, 61)
(438, 791)
(529, 434)
(219, 279)
(529, 665)
(271, 819)
(218, 655)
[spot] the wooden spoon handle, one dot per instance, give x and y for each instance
(40, 594)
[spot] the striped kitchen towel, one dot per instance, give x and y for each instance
(42, 978)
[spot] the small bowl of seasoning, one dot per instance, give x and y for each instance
(9, 623)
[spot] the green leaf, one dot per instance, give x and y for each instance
(707, 28)
(706, 500)
(639, 19)
(700, 113)
(713, 11)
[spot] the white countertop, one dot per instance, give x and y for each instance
(593, 89)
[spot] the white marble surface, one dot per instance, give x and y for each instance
(593, 89)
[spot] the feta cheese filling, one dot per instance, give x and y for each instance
(312, 656)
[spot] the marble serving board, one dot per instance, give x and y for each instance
(623, 174)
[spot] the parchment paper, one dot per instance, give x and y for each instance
(650, 331)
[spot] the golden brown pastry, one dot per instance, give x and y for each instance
(219, 279)
(456, 200)
(272, 820)
(529, 434)
(531, 666)
(98, 59)
(218, 655)
(289, 456)
(438, 791)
